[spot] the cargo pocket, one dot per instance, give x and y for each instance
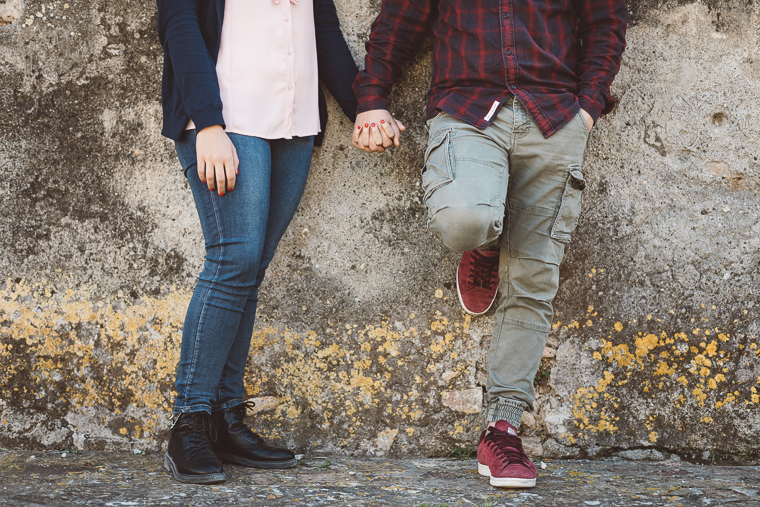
(570, 207)
(437, 169)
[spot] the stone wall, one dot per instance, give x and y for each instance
(361, 346)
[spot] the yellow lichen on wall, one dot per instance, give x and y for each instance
(685, 367)
(105, 353)
(119, 356)
(348, 380)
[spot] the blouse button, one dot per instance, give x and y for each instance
(287, 18)
(290, 87)
(290, 51)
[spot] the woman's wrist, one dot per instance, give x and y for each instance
(211, 128)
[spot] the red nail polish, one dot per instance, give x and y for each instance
(358, 127)
(373, 124)
(382, 121)
(237, 172)
(366, 125)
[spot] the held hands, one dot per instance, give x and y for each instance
(217, 159)
(376, 130)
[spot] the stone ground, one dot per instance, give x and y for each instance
(29, 478)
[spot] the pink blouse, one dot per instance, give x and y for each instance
(267, 69)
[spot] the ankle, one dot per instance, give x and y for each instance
(506, 409)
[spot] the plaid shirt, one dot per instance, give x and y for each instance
(555, 56)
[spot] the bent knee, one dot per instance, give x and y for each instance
(466, 228)
(235, 263)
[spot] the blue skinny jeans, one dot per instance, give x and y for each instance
(241, 231)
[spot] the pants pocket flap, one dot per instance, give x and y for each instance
(570, 208)
(437, 169)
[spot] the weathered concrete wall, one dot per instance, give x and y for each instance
(361, 346)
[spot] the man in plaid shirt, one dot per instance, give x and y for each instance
(516, 88)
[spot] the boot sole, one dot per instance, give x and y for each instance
(459, 295)
(505, 482)
(192, 479)
(257, 464)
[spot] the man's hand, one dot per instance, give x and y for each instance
(588, 118)
(217, 159)
(376, 130)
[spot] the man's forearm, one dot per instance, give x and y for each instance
(396, 33)
(602, 30)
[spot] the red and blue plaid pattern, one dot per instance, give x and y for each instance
(555, 56)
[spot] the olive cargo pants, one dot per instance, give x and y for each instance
(508, 186)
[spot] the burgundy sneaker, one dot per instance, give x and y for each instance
(478, 280)
(502, 458)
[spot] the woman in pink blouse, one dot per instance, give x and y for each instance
(242, 102)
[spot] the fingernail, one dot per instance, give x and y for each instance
(358, 127)
(382, 121)
(366, 125)
(237, 172)
(373, 124)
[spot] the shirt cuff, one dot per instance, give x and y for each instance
(208, 118)
(592, 101)
(371, 103)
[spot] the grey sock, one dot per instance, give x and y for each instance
(509, 410)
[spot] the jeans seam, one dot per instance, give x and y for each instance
(191, 373)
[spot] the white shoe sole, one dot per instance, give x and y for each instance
(505, 482)
(459, 295)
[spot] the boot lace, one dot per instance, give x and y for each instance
(508, 448)
(238, 425)
(482, 270)
(200, 432)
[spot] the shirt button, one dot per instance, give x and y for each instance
(506, 16)
(290, 51)
(287, 18)
(514, 87)
(290, 87)
(509, 51)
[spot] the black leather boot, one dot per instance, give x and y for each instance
(189, 456)
(236, 443)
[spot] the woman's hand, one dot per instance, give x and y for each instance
(217, 159)
(376, 130)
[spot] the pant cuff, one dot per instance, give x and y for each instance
(228, 403)
(191, 408)
(509, 410)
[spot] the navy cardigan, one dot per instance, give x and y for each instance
(190, 32)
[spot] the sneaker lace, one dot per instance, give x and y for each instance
(482, 270)
(509, 448)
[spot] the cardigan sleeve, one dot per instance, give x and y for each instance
(180, 35)
(337, 68)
